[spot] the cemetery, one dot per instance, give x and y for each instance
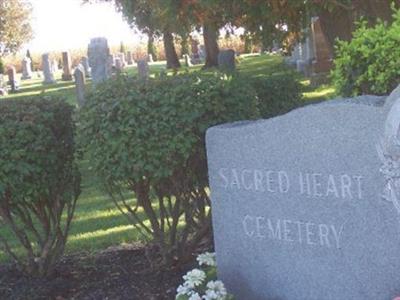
(246, 150)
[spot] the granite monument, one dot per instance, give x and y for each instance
(26, 68)
(129, 59)
(143, 69)
(47, 69)
(3, 86)
(98, 54)
(226, 60)
(66, 60)
(323, 58)
(80, 80)
(86, 67)
(54, 66)
(306, 205)
(12, 79)
(119, 65)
